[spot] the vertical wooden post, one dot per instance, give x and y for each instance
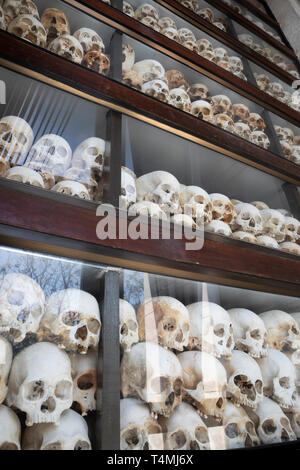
(293, 196)
(275, 146)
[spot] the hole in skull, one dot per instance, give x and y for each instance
(132, 437)
(295, 331)
(53, 446)
(245, 386)
(81, 445)
(15, 333)
(170, 400)
(178, 387)
(219, 403)
(269, 426)
(146, 446)
(232, 430)
(86, 382)
(48, 406)
(177, 440)
(284, 436)
(8, 446)
(169, 324)
(63, 390)
(77, 407)
(35, 390)
(93, 326)
(259, 386)
(248, 441)
(15, 297)
(219, 331)
(201, 435)
(8, 137)
(81, 333)
(255, 334)
(284, 382)
(71, 318)
(159, 384)
(194, 445)
(124, 330)
(23, 315)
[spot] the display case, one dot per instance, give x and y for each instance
(149, 201)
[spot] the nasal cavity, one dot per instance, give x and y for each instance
(48, 406)
(82, 333)
(170, 399)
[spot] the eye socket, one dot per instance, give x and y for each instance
(63, 390)
(284, 382)
(15, 297)
(35, 390)
(159, 384)
(201, 435)
(53, 446)
(232, 430)
(21, 138)
(219, 331)
(131, 437)
(93, 326)
(178, 440)
(269, 426)
(82, 445)
(259, 386)
(61, 151)
(255, 334)
(86, 382)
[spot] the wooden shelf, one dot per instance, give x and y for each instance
(259, 13)
(49, 224)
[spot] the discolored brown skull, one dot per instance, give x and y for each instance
(55, 23)
(133, 79)
(97, 61)
(176, 79)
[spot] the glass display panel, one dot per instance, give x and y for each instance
(51, 139)
(206, 367)
(50, 325)
(171, 176)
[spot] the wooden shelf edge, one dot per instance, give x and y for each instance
(256, 11)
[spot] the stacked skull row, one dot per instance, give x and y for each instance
(277, 90)
(42, 380)
(205, 13)
(290, 143)
(50, 163)
(52, 31)
(172, 87)
(148, 15)
(201, 377)
(159, 194)
(269, 53)
(253, 20)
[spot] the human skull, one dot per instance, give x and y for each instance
(70, 434)
(221, 104)
(128, 57)
(196, 202)
(25, 175)
(271, 423)
(40, 383)
(52, 151)
(249, 331)
(248, 219)
(222, 208)
(204, 382)
(239, 430)
(245, 382)
(84, 373)
(192, 45)
(132, 79)
(224, 121)
(128, 9)
(206, 13)
(158, 89)
(68, 47)
(273, 224)
(14, 8)
(244, 236)
(129, 333)
(90, 155)
(167, 22)
(97, 61)
(183, 220)
(161, 188)
(176, 79)
(16, 138)
(150, 22)
(180, 99)
(145, 10)
(44, 171)
(10, 430)
(139, 430)
(89, 40)
(241, 75)
(260, 205)
(246, 39)
(225, 65)
(242, 130)
(72, 188)
(263, 81)
(261, 139)
(276, 90)
(221, 24)
(292, 229)
(71, 320)
(198, 91)
(164, 320)
(55, 23)
(283, 331)
(171, 33)
(83, 176)
(295, 157)
(6, 355)
(209, 55)
(153, 374)
(256, 122)
(22, 303)
(128, 187)
(236, 64)
(216, 226)
(186, 34)
(185, 430)
(221, 54)
(279, 378)
(29, 28)
(211, 329)
(290, 247)
(191, 4)
(267, 241)
(240, 113)
(204, 45)
(203, 110)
